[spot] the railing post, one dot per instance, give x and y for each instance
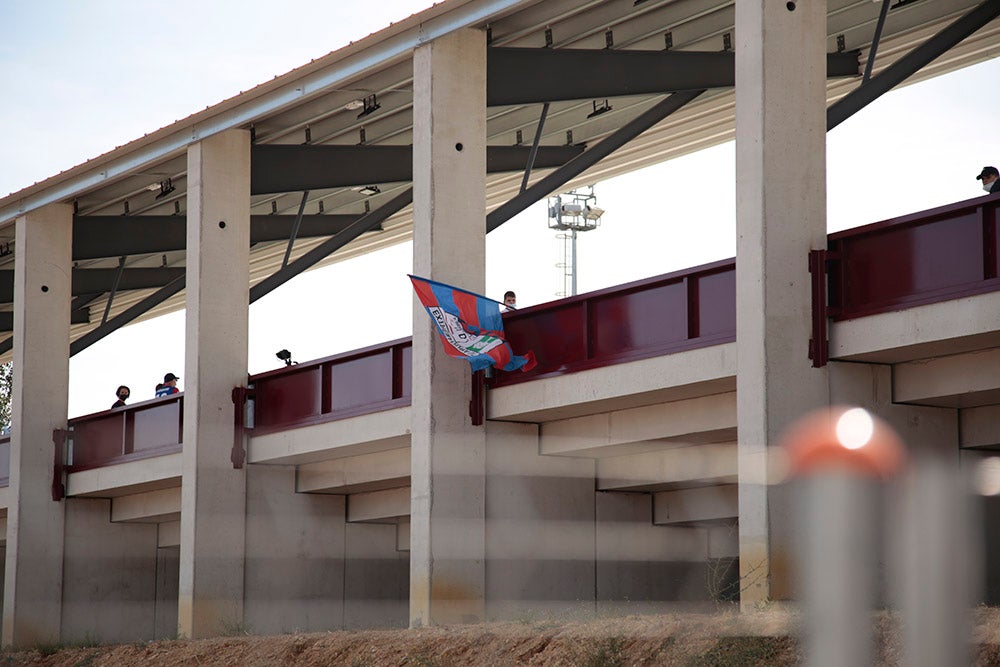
(819, 350)
(477, 403)
(59, 438)
(238, 454)
(989, 217)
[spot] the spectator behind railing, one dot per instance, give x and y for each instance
(123, 393)
(990, 178)
(168, 387)
(509, 301)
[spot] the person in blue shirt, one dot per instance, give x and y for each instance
(168, 387)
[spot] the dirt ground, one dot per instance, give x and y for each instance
(687, 640)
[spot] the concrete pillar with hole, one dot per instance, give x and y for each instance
(32, 608)
(448, 453)
(213, 499)
(780, 216)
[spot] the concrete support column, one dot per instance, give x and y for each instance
(780, 216)
(447, 538)
(32, 606)
(213, 510)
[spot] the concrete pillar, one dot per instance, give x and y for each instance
(214, 494)
(42, 264)
(447, 574)
(780, 216)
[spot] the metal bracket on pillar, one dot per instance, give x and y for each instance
(819, 350)
(59, 438)
(240, 396)
(477, 403)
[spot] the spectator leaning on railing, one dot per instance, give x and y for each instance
(990, 178)
(168, 387)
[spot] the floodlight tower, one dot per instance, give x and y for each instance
(575, 211)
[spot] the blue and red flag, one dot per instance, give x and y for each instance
(470, 326)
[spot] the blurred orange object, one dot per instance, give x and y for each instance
(845, 438)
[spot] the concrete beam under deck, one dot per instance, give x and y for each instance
(937, 329)
(671, 469)
(356, 474)
(376, 432)
(160, 506)
(707, 419)
(158, 472)
(387, 506)
(672, 377)
(168, 534)
(980, 427)
(955, 381)
(705, 505)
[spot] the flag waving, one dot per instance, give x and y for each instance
(470, 326)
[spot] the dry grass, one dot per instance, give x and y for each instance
(685, 640)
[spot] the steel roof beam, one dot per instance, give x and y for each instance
(90, 281)
(81, 316)
(526, 76)
(122, 318)
(291, 168)
(364, 224)
(911, 63)
(578, 165)
(95, 237)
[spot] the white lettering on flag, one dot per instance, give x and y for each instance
(467, 343)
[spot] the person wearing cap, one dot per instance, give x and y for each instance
(168, 387)
(990, 178)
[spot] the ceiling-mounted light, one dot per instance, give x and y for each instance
(166, 187)
(370, 105)
(368, 190)
(599, 109)
(354, 105)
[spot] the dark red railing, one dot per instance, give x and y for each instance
(143, 430)
(345, 385)
(944, 253)
(931, 256)
(670, 313)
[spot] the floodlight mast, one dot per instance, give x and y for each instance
(579, 213)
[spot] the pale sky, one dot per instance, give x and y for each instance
(83, 77)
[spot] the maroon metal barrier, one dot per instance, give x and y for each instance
(671, 313)
(147, 429)
(944, 253)
(345, 385)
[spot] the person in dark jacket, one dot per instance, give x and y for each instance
(122, 393)
(990, 178)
